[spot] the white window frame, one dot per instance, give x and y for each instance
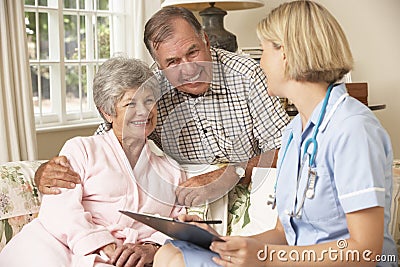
(59, 118)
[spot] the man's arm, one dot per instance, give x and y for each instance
(264, 160)
(54, 174)
(210, 186)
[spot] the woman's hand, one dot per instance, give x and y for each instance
(108, 249)
(238, 251)
(129, 255)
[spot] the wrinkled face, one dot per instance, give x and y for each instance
(273, 62)
(136, 114)
(185, 59)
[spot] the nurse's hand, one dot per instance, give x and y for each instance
(238, 251)
(54, 174)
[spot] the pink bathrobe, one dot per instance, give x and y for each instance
(77, 222)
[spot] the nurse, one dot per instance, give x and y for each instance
(334, 182)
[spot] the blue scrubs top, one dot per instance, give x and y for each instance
(354, 172)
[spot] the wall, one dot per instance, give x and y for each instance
(372, 28)
(49, 143)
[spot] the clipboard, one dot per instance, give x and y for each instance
(175, 229)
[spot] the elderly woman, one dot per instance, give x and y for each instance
(119, 171)
(334, 176)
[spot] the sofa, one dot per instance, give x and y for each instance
(19, 197)
(20, 201)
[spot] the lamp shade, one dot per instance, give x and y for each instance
(197, 5)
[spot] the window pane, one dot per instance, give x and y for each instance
(51, 3)
(45, 84)
(42, 2)
(87, 43)
(30, 2)
(82, 34)
(102, 5)
(85, 105)
(30, 22)
(103, 35)
(69, 3)
(34, 78)
(72, 88)
(41, 90)
(44, 35)
(71, 38)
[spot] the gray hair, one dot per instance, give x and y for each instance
(114, 77)
(159, 27)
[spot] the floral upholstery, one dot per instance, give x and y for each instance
(19, 198)
(238, 209)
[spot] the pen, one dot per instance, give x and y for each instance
(209, 222)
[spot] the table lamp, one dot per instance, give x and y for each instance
(212, 14)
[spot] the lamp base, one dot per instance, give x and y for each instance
(213, 25)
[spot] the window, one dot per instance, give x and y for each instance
(66, 45)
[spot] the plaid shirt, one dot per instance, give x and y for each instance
(233, 121)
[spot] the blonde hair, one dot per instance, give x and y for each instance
(315, 45)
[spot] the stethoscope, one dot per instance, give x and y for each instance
(309, 190)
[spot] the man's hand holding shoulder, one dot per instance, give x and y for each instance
(54, 174)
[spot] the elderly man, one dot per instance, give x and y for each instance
(215, 109)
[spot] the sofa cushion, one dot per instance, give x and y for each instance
(19, 197)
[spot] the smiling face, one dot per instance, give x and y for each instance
(185, 58)
(136, 114)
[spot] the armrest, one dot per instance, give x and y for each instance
(19, 197)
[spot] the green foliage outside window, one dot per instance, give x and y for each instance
(71, 45)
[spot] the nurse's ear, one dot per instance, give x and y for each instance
(282, 48)
(283, 57)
